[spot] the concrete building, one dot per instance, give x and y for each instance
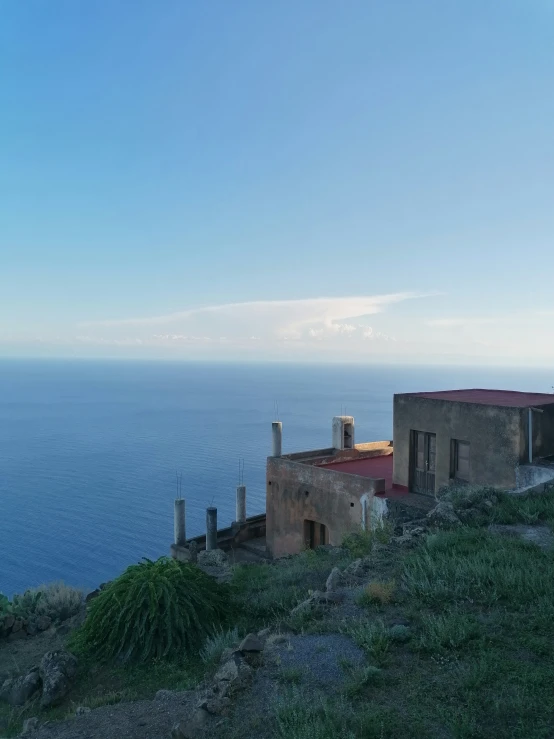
(475, 436)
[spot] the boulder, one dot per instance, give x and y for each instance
(29, 725)
(82, 710)
(17, 625)
(17, 691)
(358, 568)
(251, 643)
(43, 623)
(334, 580)
(57, 670)
(443, 514)
(232, 677)
(216, 705)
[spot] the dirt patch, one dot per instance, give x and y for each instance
(19, 656)
(137, 720)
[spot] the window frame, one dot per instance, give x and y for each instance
(455, 473)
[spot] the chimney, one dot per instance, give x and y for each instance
(343, 432)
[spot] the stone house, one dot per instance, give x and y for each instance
(464, 436)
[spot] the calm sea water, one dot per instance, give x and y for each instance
(89, 450)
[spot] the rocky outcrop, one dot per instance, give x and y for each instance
(17, 691)
(57, 671)
(443, 515)
(12, 627)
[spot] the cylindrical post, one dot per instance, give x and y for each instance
(179, 523)
(277, 437)
(241, 504)
(530, 431)
(211, 528)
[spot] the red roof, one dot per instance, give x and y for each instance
(375, 467)
(508, 398)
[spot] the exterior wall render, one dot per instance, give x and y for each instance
(296, 492)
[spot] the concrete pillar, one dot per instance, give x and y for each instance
(179, 522)
(277, 438)
(211, 528)
(241, 504)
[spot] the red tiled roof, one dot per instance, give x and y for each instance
(508, 398)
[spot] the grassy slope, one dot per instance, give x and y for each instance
(478, 658)
(476, 661)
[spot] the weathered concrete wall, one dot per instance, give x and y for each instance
(495, 435)
(296, 492)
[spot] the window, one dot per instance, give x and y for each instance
(460, 460)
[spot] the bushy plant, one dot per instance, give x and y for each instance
(59, 601)
(154, 610)
(25, 605)
(56, 600)
(5, 606)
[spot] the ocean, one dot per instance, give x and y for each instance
(90, 450)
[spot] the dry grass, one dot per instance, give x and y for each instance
(377, 592)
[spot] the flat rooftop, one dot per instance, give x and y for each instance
(507, 398)
(374, 467)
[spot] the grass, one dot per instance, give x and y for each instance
(299, 716)
(268, 592)
(216, 644)
(449, 632)
(360, 543)
(359, 679)
(372, 637)
(290, 675)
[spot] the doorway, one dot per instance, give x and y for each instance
(315, 534)
(423, 462)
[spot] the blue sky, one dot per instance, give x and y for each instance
(282, 179)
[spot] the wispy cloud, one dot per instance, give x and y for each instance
(294, 313)
(311, 320)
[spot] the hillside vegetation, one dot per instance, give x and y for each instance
(455, 628)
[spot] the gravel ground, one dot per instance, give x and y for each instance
(137, 720)
(308, 663)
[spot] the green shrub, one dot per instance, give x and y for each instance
(360, 543)
(56, 600)
(5, 605)
(154, 610)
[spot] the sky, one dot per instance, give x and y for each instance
(346, 180)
